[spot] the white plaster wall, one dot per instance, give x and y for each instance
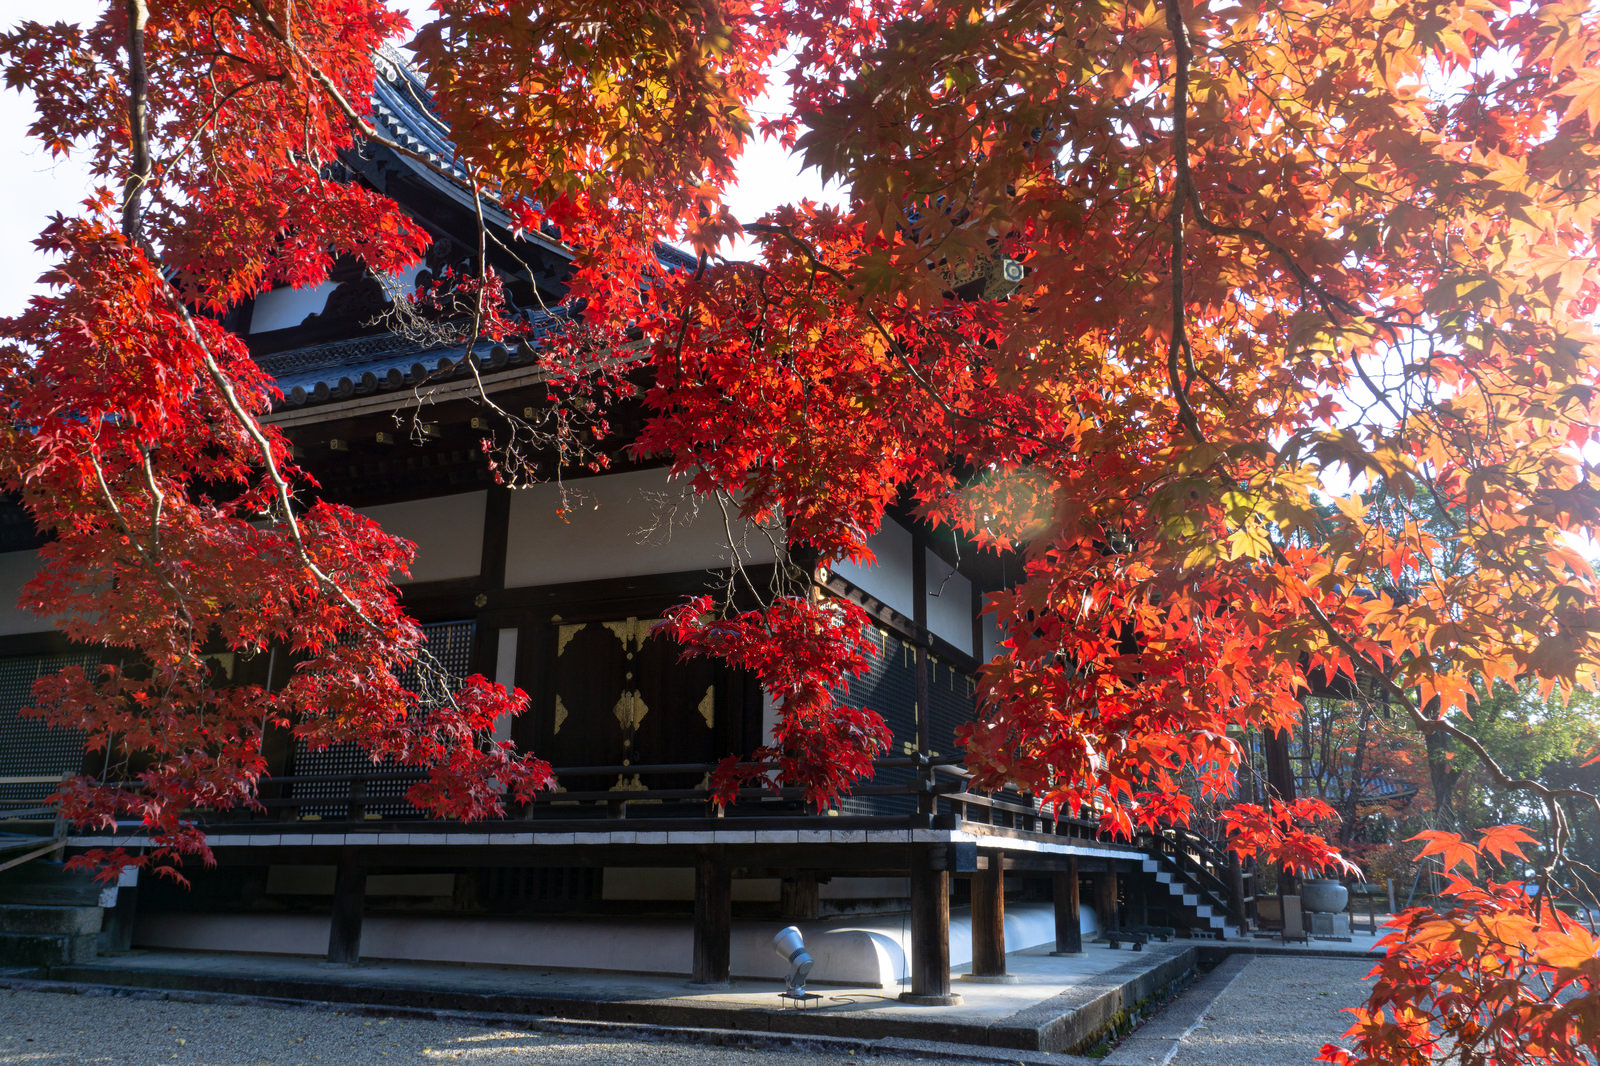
(275, 934)
(992, 636)
(889, 579)
(769, 715)
(447, 530)
(283, 308)
(869, 953)
(620, 525)
(949, 603)
(15, 569)
(505, 673)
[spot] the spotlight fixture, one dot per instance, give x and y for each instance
(791, 946)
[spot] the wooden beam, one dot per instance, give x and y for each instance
(1069, 930)
(713, 917)
(349, 893)
(930, 932)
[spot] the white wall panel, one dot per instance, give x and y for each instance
(889, 580)
(447, 530)
(284, 308)
(949, 603)
(620, 525)
(992, 636)
(15, 569)
(505, 673)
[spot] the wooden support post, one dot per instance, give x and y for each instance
(1236, 904)
(1105, 900)
(713, 917)
(930, 931)
(349, 892)
(800, 898)
(116, 922)
(989, 924)
(925, 801)
(1138, 900)
(1280, 783)
(1069, 930)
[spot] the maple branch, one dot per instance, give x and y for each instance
(1178, 343)
(138, 105)
(355, 119)
(1426, 724)
(152, 563)
(890, 340)
(1329, 300)
(160, 499)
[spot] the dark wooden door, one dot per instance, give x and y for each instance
(625, 696)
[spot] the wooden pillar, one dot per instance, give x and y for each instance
(116, 923)
(989, 921)
(713, 917)
(349, 892)
(1280, 772)
(1105, 901)
(925, 797)
(1236, 892)
(1138, 901)
(930, 931)
(1280, 786)
(800, 898)
(1069, 931)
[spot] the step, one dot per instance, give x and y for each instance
(25, 949)
(48, 884)
(38, 919)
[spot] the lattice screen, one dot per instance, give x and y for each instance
(450, 644)
(28, 747)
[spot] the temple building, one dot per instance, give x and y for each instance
(626, 866)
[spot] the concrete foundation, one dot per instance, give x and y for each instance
(871, 953)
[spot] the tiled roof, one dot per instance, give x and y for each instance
(387, 363)
(401, 110)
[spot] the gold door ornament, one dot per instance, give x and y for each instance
(630, 708)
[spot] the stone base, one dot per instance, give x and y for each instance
(1321, 923)
(991, 978)
(1067, 954)
(952, 1000)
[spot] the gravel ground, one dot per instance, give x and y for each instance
(1276, 1012)
(52, 1029)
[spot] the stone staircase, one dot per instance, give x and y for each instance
(48, 917)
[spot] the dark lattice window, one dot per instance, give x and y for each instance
(450, 644)
(29, 747)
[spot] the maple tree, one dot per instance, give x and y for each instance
(1262, 248)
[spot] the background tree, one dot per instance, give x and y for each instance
(1264, 248)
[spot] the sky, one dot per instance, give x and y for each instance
(33, 186)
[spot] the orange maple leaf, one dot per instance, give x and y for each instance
(1498, 840)
(1451, 849)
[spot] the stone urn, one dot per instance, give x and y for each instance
(1323, 894)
